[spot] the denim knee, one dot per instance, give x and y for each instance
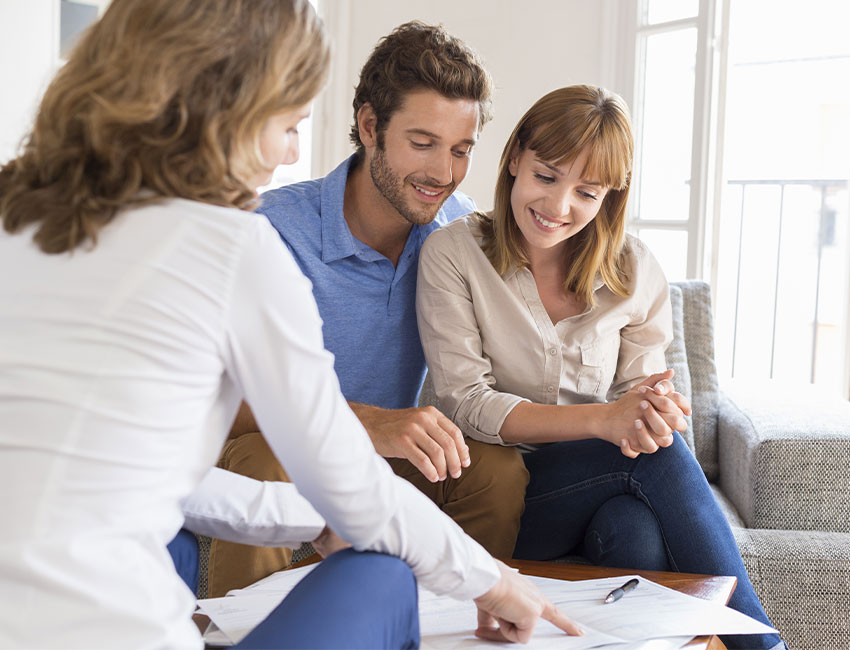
(625, 533)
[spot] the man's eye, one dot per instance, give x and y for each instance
(462, 153)
(420, 145)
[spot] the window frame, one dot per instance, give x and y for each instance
(711, 23)
(708, 138)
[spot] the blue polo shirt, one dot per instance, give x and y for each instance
(368, 306)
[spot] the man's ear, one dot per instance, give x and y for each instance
(367, 125)
(513, 161)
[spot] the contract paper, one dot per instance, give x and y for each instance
(650, 617)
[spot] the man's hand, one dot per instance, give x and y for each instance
(424, 436)
(510, 610)
(329, 542)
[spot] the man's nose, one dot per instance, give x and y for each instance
(439, 168)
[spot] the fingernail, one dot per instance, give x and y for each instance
(638, 424)
(644, 405)
(642, 390)
(466, 462)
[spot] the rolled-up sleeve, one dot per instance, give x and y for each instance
(451, 338)
(650, 328)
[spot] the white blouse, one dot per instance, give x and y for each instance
(490, 343)
(121, 369)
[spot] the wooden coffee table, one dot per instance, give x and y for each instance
(714, 588)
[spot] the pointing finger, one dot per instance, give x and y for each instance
(560, 620)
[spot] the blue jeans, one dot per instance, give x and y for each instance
(652, 512)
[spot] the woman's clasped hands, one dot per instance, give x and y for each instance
(645, 418)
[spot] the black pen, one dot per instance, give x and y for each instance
(619, 592)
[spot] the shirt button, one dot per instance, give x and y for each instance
(551, 389)
(553, 351)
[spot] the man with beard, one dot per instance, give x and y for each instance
(422, 99)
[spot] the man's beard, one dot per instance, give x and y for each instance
(392, 187)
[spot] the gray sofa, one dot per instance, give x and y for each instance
(779, 463)
(779, 459)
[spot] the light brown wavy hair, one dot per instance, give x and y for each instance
(558, 128)
(417, 56)
(161, 98)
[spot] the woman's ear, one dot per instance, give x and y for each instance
(367, 125)
(513, 161)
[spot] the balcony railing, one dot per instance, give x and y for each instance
(829, 220)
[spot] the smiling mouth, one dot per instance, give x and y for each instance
(426, 192)
(549, 225)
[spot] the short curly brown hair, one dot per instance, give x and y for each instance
(417, 56)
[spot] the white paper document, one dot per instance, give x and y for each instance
(241, 610)
(235, 617)
(650, 617)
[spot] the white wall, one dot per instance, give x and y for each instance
(29, 57)
(529, 47)
(29, 50)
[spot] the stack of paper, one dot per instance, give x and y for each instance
(650, 617)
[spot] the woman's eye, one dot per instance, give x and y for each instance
(589, 195)
(544, 179)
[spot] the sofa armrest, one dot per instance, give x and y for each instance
(783, 457)
(803, 582)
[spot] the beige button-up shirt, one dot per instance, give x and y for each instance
(490, 343)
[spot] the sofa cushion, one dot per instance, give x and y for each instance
(803, 582)
(727, 507)
(699, 342)
(677, 359)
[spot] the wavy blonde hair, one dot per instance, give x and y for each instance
(558, 128)
(168, 96)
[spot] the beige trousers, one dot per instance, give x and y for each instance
(487, 501)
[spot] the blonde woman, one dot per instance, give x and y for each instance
(141, 302)
(545, 326)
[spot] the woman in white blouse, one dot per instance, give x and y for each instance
(544, 325)
(140, 302)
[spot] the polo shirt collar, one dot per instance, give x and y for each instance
(337, 240)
